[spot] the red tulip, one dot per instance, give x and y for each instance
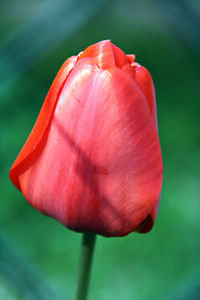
(93, 159)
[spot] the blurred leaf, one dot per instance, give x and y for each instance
(189, 289)
(22, 276)
(183, 17)
(41, 30)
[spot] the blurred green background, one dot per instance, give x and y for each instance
(38, 256)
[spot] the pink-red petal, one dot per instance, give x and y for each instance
(100, 168)
(147, 224)
(34, 141)
(145, 82)
(106, 55)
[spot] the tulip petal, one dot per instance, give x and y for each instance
(147, 224)
(33, 143)
(131, 57)
(106, 55)
(100, 168)
(144, 80)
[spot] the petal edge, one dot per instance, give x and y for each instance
(35, 138)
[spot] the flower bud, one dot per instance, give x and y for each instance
(93, 159)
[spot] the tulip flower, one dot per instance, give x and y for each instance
(93, 159)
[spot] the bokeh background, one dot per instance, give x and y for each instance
(38, 256)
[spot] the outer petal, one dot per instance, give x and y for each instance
(34, 142)
(144, 80)
(147, 224)
(104, 172)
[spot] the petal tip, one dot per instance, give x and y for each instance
(106, 55)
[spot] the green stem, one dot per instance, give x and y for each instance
(87, 251)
